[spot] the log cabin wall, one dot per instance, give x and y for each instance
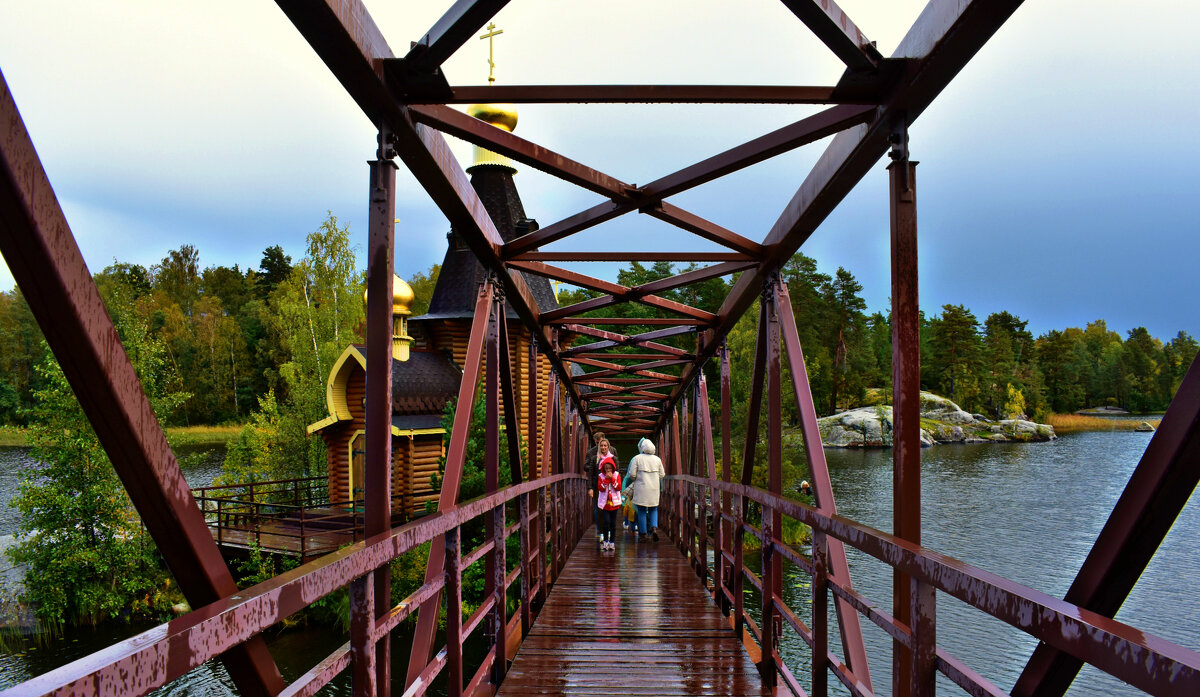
(453, 335)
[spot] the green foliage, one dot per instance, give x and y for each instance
(422, 285)
(88, 558)
(311, 316)
(273, 445)
(473, 485)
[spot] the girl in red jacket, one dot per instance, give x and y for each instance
(608, 500)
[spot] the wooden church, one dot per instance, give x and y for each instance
(427, 366)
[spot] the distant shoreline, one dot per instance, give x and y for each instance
(14, 436)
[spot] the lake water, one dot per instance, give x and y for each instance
(1028, 512)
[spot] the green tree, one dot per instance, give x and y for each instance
(313, 316)
(87, 557)
(178, 276)
(422, 285)
(955, 354)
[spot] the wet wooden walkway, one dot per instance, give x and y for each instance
(635, 621)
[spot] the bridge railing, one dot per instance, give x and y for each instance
(286, 516)
(1149, 663)
(549, 521)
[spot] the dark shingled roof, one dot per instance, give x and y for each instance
(423, 384)
(458, 281)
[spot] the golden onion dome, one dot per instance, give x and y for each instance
(499, 115)
(402, 295)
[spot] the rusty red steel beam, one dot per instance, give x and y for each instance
(608, 365)
(636, 369)
(805, 131)
(483, 134)
(378, 419)
(649, 198)
(618, 293)
(1157, 492)
(644, 340)
(940, 43)
(47, 265)
(705, 229)
(612, 340)
(512, 430)
(161, 654)
(641, 94)
(422, 643)
(1147, 662)
(345, 36)
(629, 356)
(448, 34)
(853, 646)
(597, 214)
(694, 276)
(906, 389)
(630, 321)
(631, 255)
(837, 31)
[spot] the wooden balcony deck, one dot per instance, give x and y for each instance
(630, 622)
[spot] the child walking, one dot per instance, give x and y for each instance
(608, 501)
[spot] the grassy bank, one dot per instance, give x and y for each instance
(177, 435)
(1076, 423)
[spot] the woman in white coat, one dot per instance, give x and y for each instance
(646, 472)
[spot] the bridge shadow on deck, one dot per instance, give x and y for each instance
(634, 621)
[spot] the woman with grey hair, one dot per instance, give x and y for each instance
(646, 471)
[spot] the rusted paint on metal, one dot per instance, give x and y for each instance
(422, 647)
(814, 451)
(47, 265)
(380, 272)
(906, 387)
(362, 643)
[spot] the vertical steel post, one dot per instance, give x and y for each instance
(772, 520)
(453, 574)
(364, 671)
(48, 267)
(531, 414)
(756, 390)
(820, 615)
(922, 659)
(724, 537)
(494, 560)
(839, 568)
(378, 495)
(422, 647)
(906, 386)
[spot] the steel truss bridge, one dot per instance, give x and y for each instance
(663, 393)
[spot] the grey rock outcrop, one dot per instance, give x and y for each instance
(942, 421)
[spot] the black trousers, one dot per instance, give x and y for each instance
(608, 523)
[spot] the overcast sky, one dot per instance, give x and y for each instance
(1057, 173)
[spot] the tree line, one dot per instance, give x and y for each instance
(986, 367)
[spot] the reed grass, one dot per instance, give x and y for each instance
(197, 435)
(1078, 423)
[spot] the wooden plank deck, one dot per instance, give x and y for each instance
(635, 621)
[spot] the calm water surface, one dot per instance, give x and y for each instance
(1028, 512)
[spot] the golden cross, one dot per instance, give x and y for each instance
(492, 31)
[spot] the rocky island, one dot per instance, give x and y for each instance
(942, 421)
